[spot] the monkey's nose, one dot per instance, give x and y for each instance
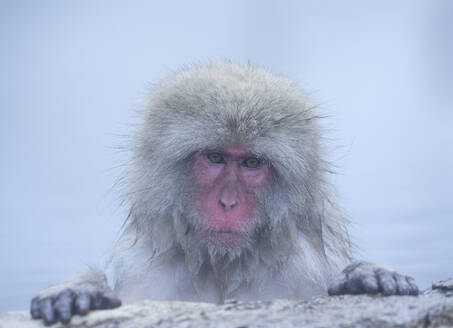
(228, 198)
(227, 204)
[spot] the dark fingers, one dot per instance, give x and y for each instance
(63, 305)
(34, 308)
(82, 303)
(47, 311)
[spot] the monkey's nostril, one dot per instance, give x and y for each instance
(227, 204)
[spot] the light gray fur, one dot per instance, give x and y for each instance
(90, 281)
(298, 240)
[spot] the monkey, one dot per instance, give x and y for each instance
(228, 197)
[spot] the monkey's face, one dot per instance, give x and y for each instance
(227, 182)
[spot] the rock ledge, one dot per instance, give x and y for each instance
(433, 308)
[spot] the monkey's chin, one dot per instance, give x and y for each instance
(225, 239)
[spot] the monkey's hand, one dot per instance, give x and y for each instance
(87, 291)
(368, 278)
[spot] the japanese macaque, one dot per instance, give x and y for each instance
(228, 199)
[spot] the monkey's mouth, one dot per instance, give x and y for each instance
(224, 231)
(224, 238)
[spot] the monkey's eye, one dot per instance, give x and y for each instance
(215, 157)
(251, 162)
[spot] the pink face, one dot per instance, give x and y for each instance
(227, 182)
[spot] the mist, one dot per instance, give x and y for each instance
(74, 73)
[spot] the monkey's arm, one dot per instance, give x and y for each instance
(369, 278)
(87, 291)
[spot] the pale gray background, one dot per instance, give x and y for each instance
(73, 72)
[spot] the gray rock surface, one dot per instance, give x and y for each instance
(433, 308)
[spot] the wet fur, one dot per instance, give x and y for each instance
(298, 238)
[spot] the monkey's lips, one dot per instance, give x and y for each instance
(224, 238)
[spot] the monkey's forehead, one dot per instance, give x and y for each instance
(222, 104)
(236, 89)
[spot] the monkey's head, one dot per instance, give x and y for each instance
(226, 162)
